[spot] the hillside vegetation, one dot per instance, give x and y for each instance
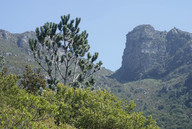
(168, 102)
(68, 108)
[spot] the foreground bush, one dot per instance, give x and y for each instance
(68, 108)
(21, 109)
(18, 108)
(32, 81)
(97, 109)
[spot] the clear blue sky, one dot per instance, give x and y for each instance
(106, 21)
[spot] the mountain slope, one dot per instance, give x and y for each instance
(16, 50)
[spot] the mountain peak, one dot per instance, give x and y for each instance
(174, 31)
(144, 27)
(152, 54)
(5, 34)
(142, 32)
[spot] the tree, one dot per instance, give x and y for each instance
(97, 109)
(33, 81)
(60, 50)
(2, 62)
(20, 109)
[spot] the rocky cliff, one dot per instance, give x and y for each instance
(155, 54)
(16, 50)
(15, 41)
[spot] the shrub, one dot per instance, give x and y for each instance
(97, 109)
(32, 81)
(68, 108)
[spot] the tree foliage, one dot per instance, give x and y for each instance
(2, 62)
(60, 49)
(98, 109)
(68, 108)
(33, 81)
(21, 109)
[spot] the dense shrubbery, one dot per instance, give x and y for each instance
(33, 81)
(21, 109)
(97, 109)
(80, 108)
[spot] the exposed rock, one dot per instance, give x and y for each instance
(15, 48)
(20, 43)
(24, 38)
(8, 54)
(165, 89)
(5, 34)
(154, 54)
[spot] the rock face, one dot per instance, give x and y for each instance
(24, 38)
(15, 40)
(154, 54)
(15, 48)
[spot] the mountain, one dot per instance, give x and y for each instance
(155, 72)
(155, 54)
(16, 50)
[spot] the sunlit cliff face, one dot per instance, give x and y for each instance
(148, 52)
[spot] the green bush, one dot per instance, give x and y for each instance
(97, 109)
(68, 108)
(18, 108)
(33, 81)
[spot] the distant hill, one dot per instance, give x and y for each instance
(16, 50)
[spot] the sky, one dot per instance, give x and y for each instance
(106, 21)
